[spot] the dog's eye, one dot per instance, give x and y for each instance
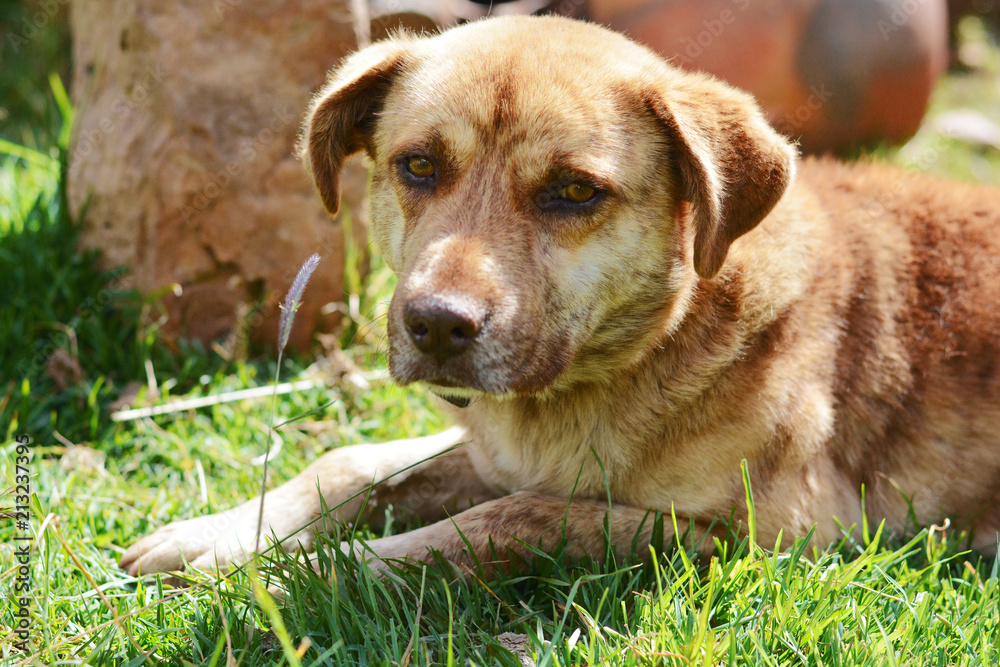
(578, 193)
(420, 167)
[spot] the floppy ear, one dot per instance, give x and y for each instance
(342, 115)
(733, 165)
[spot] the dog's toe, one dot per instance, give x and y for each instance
(221, 557)
(161, 552)
(141, 550)
(216, 541)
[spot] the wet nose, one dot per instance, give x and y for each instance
(442, 328)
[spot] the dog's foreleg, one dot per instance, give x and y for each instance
(502, 533)
(420, 476)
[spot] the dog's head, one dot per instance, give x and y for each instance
(547, 191)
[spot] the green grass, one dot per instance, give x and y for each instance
(98, 484)
(34, 41)
(977, 90)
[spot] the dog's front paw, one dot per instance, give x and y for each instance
(209, 542)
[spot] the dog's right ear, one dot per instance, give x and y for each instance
(341, 117)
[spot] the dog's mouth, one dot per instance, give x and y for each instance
(457, 401)
(466, 346)
(478, 374)
(452, 392)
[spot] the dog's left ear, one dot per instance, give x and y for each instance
(733, 165)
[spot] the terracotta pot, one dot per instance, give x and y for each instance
(831, 73)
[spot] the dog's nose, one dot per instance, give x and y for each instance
(442, 328)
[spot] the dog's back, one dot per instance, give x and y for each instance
(911, 267)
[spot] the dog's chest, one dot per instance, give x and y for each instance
(546, 447)
(555, 449)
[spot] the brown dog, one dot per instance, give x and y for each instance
(613, 267)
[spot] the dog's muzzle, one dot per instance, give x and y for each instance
(442, 328)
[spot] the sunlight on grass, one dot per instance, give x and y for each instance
(26, 176)
(978, 92)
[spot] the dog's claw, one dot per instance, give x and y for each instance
(217, 541)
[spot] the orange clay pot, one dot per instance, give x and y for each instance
(831, 73)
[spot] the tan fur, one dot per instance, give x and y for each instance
(835, 326)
